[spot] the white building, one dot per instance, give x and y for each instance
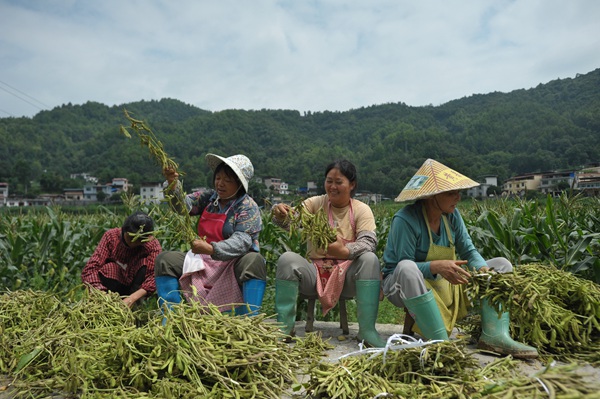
(3, 193)
(152, 192)
(481, 190)
(284, 188)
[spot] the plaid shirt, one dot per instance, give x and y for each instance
(113, 250)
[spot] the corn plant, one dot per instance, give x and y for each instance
(563, 232)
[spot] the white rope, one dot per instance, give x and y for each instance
(406, 342)
(543, 386)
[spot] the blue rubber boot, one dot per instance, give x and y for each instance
(167, 290)
(253, 291)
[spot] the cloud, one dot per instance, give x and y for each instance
(304, 55)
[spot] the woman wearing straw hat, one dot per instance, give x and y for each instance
(428, 245)
(348, 268)
(227, 256)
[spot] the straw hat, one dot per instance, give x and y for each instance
(240, 164)
(433, 178)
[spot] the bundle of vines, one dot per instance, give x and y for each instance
(311, 227)
(550, 309)
(442, 369)
(179, 221)
(95, 346)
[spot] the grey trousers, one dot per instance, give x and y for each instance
(293, 267)
(407, 281)
(250, 266)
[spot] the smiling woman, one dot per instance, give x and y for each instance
(346, 268)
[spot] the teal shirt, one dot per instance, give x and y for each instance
(408, 240)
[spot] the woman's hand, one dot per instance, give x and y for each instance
(134, 297)
(171, 175)
(337, 249)
(451, 270)
(129, 301)
(200, 246)
(280, 211)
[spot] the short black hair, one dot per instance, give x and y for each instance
(346, 168)
(137, 219)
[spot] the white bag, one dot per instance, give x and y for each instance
(192, 263)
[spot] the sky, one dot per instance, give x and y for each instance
(305, 55)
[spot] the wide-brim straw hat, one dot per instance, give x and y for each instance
(240, 164)
(433, 178)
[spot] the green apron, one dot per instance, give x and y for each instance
(451, 299)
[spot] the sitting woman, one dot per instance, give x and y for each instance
(228, 230)
(428, 245)
(348, 268)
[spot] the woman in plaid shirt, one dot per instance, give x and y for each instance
(124, 263)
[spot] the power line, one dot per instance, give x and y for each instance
(7, 113)
(24, 94)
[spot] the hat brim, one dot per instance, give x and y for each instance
(214, 160)
(431, 179)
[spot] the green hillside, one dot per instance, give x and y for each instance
(552, 126)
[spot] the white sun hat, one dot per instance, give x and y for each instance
(433, 178)
(240, 164)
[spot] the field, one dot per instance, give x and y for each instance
(42, 252)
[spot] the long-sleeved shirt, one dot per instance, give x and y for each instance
(408, 240)
(241, 228)
(112, 249)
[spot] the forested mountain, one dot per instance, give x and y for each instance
(552, 126)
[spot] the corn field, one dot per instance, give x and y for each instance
(46, 248)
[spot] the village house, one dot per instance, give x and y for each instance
(554, 183)
(519, 185)
(152, 192)
(588, 180)
(481, 190)
(3, 193)
(118, 185)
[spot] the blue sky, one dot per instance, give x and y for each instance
(309, 55)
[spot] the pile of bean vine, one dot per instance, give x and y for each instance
(95, 346)
(440, 370)
(550, 309)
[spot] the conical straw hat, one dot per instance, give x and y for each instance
(433, 178)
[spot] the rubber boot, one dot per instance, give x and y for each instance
(167, 289)
(424, 310)
(495, 335)
(253, 291)
(367, 306)
(286, 298)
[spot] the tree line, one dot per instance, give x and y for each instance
(553, 126)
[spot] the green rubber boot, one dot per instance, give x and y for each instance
(424, 310)
(367, 306)
(286, 298)
(495, 335)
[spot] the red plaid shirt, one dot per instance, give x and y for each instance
(112, 249)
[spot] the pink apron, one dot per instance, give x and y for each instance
(216, 283)
(331, 273)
